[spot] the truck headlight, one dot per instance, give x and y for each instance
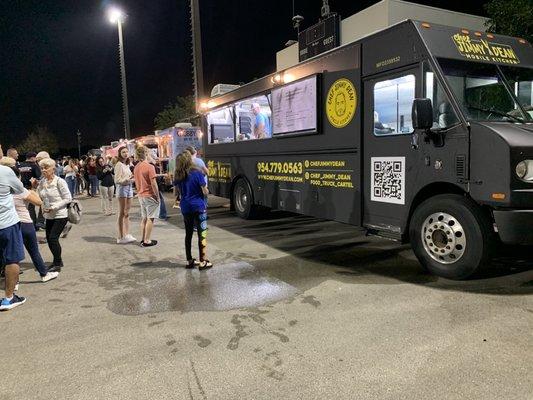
(521, 169)
(524, 170)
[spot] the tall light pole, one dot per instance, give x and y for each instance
(116, 16)
(198, 67)
(79, 143)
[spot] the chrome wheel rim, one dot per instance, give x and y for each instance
(241, 199)
(444, 238)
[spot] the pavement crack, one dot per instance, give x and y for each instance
(197, 379)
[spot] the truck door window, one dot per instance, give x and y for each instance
(393, 99)
(444, 115)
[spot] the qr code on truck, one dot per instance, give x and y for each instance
(387, 179)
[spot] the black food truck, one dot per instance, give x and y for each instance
(419, 132)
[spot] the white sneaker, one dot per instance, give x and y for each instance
(49, 276)
(122, 241)
(129, 238)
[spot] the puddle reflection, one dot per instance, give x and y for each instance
(225, 287)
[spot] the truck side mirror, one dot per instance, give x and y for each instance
(422, 114)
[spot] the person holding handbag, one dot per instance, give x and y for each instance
(55, 195)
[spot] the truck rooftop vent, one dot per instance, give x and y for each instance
(183, 125)
(222, 88)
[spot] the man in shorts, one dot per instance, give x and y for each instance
(11, 243)
(148, 194)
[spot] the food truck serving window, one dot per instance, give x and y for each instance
(253, 118)
(221, 126)
(294, 107)
(393, 99)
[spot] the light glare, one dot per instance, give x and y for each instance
(115, 14)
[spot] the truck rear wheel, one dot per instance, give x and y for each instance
(451, 236)
(242, 200)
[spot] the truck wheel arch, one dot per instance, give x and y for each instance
(430, 190)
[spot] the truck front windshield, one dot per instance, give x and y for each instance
(490, 92)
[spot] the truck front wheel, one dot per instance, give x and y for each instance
(451, 236)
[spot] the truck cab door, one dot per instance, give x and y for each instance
(389, 160)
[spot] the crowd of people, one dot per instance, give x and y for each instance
(36, 194)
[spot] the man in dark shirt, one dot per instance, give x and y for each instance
(29, 169)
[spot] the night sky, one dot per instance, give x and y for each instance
(59, 58)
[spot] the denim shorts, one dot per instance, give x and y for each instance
(11, 244)
(125, 191)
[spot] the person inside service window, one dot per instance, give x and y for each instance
(262, 124)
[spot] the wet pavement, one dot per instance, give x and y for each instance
(229, 286)
(295, 307)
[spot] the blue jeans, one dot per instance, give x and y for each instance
(162, 207)
(71, 182)
(30, 243)
(93, 179)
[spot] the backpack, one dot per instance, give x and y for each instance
(74, 212)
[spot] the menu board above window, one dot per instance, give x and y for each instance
(294, 107)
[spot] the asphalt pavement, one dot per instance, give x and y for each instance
(295, 308)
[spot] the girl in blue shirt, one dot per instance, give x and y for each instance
(191, 183)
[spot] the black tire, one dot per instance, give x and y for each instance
(458, 236)
(243, 200)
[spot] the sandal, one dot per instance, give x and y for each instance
(206, 264)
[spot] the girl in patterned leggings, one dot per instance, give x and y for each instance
(191, 184)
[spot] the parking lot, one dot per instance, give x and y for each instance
(295, 308)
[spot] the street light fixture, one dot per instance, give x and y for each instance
(117, 16)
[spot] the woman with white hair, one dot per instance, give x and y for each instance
(56, 197)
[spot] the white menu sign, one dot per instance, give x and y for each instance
(294, 107)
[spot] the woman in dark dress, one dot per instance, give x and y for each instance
(193, 189)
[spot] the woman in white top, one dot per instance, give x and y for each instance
(71, 172)
(56, 197)
(124, 182)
